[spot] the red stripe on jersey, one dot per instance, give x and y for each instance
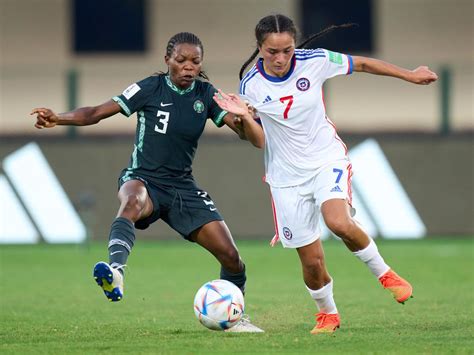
(336, 135)
(332, 124)
(349, 183)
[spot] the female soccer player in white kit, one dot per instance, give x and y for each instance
(306, 162)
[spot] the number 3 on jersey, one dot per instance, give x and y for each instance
(288, 105)
(163, 121)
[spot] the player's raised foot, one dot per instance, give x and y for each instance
(326, 323)
(398, 286)
(110, 279)
(244, 326)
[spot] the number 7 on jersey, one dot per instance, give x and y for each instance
(288, 105)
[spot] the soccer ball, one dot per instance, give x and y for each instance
(219, 304)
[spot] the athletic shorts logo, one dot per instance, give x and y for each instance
(198, 106)
(287, 233)
(303, 84)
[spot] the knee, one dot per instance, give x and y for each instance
(315, 265)
(342, 227)
(132, 204)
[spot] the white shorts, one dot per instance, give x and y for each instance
(296, 209)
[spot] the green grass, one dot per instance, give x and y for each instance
(50, 304)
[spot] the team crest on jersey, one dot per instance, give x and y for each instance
(287, 233)
(303, 84)
(198, 106)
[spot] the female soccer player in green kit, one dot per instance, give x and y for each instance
(172, 109)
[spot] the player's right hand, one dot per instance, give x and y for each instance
(231, 103)
(45, 118)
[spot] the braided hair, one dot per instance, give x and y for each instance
(185, 37)
(279, 24)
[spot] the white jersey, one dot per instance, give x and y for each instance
(299, 137)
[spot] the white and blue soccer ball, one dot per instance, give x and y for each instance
(219, 304)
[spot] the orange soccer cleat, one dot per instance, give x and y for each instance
(326, 323)
(400, 288)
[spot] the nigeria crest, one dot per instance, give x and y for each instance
(198, 106)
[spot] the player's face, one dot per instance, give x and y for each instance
(184, 64)
(277, 50)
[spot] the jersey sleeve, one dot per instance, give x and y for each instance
(246, 87)
(133, 98)
(215, 113)
(336, 64)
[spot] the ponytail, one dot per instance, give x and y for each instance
(245, 65)
(324, 32)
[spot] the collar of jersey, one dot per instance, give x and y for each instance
(276, 79)
(176, 89)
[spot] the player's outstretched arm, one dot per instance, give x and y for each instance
(84, 116)
(421, 75)
(244, 123)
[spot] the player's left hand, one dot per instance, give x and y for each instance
(422, 76)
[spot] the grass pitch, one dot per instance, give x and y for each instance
(50, 303)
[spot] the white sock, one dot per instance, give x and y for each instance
(372, 258)
(324, 299)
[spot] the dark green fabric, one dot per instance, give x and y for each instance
(184, 207)
(169, 125)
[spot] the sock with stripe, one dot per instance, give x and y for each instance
(121, 240)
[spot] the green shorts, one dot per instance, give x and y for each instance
(184, 207)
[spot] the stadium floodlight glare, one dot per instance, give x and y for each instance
(383, 194)
(15, 225)
(43, 196)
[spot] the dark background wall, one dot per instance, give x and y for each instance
(317, 15)
(437, 173)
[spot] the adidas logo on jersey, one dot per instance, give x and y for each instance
(336, 189)
(267, 99)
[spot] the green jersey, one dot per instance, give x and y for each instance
(170, 122)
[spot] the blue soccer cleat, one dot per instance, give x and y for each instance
(110, 279)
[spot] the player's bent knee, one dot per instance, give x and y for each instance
(131, 204)
(314, 265)
(341, 227)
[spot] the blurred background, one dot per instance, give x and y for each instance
(64, 54)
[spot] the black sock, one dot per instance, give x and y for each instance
(237, 279)
(121, 240)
